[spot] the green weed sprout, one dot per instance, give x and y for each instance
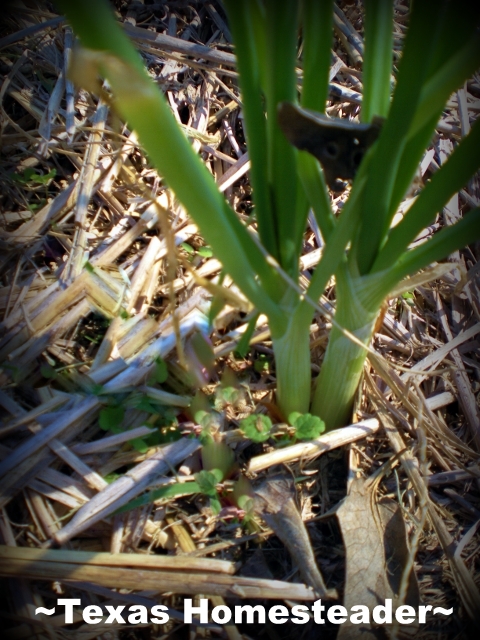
(257, 427)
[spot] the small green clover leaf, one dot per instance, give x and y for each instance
(293, 417)
(226, 396)
(111, 418)
(256, 428)
(208, 480)
(307, 427)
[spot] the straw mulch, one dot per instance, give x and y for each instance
(99, 288)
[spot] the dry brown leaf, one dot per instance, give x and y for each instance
(376, 551)
(275, 502)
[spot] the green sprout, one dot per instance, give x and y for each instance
(307, 427)
(257, 427)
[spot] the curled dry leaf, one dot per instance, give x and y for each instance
(376, 553)
(275, 502)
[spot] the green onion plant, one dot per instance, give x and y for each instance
(365, 254)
